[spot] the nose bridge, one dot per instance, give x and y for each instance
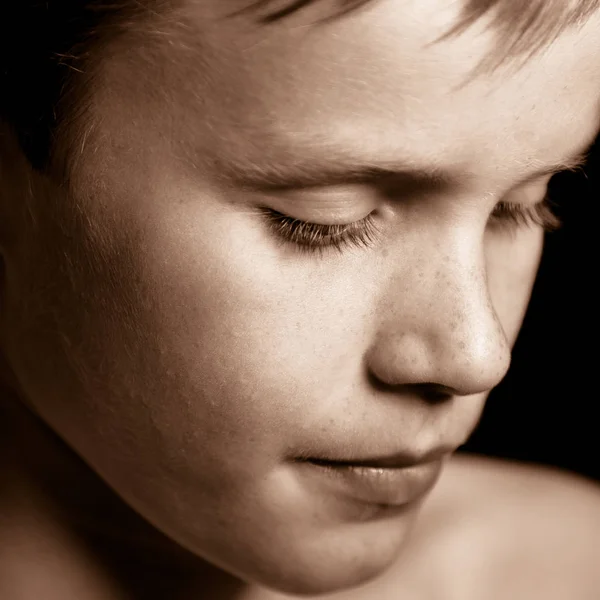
(438, 323)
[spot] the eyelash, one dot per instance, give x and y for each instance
(316, 237)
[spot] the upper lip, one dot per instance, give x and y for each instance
(399, 460)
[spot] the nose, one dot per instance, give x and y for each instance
(437, 324)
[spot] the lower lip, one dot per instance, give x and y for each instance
(382, 486)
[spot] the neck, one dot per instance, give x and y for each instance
(74, 535)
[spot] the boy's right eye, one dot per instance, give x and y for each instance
(316, 237)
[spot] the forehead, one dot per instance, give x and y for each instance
(372, 85)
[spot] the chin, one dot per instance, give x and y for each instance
(332, 578)
(314, 577)
(325, 562)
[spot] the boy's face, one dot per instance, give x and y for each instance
(190, 356)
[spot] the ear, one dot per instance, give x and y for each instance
(14, 183)
(14, 173)
(7, 160)
(16, 178)
(4, 193)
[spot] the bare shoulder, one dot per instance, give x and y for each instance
(519, 530)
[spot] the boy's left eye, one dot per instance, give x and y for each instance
(315, 237)
(517, 215)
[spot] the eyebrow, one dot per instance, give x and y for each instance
(317, 171)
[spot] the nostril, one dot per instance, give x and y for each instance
(435, 392)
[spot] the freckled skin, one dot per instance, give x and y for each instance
(156, 325)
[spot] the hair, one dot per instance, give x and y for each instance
(49, 50)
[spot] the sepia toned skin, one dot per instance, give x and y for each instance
(191, 357)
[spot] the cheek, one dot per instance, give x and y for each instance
(271, 333)
(512, 265)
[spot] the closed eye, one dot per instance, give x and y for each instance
(516, 216)
(316, 237)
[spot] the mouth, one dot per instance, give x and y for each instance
(401, 460)
(396, 480)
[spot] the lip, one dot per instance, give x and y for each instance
(400, 460)
(381, 485)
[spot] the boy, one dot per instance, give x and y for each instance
(261, 266)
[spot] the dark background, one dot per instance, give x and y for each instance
(545, 409)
